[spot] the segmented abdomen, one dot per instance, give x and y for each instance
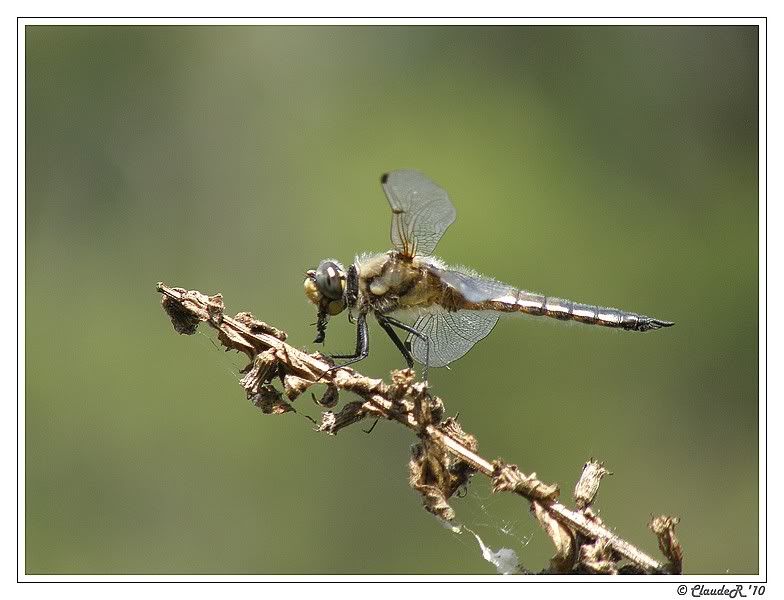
(466, 290)
(566, 310)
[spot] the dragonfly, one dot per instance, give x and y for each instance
(452, 308)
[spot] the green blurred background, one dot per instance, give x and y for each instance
(614, 165)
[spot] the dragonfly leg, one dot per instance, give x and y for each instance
(372, 427)
(362, 348)
(415, 333)
(385, 325)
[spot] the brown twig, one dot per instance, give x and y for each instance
(446, 456)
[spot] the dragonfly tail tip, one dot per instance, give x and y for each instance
(650, 324)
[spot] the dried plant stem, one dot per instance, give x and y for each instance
(446, 457)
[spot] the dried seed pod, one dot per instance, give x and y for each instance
(664, 528)
(260, 371)
(270, 401)
(588, 485)
(562, 538)
(294, 386)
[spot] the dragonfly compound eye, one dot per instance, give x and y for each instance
(330, 278)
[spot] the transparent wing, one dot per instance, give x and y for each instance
(451, 334)
(421, 211)
(474, 287)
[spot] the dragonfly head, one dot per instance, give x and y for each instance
(325, 287)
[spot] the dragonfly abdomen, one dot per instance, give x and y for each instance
(567, 310)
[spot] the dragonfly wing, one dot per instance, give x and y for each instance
(421, 211)
(473, 287)
(451, 334)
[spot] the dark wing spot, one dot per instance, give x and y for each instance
(384, 177)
